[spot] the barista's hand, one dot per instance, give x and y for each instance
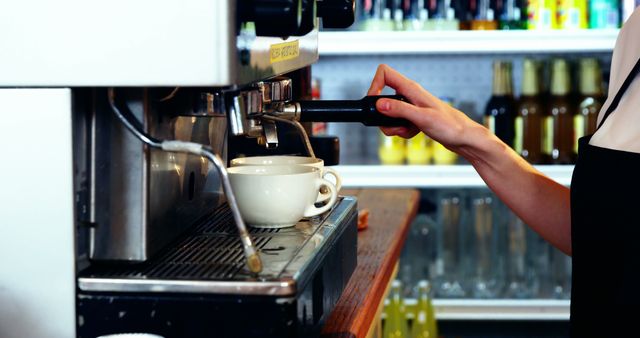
(523, 189)
(428, 114)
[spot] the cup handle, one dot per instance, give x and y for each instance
(323, 196)
(335, 175)
(312, 210)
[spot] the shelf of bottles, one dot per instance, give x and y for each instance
(481, 261)
(482, 26)
(543, 125)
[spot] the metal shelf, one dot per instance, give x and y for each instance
(502, 309)
(495, 309)
(429, 176)
(467, 42)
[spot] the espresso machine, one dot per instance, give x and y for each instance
(117, 214)
(118, 121)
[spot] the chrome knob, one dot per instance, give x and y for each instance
(253, 101)
(276, 90)
(241, 107)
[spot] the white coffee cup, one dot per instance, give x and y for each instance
(293, 160)
(279, 196)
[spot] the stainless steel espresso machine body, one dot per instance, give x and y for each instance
(120, 117)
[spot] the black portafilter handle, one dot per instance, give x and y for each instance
(363, 111)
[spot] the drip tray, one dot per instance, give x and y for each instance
(210, 259)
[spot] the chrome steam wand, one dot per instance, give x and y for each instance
(254, 263)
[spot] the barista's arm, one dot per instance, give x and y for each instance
(539, 201)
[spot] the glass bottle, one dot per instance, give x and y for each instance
(500, 112)
(604, 14)
(464, 13)
(542, 14)
(443, 17)
(590, 102)
(398, 15)
(485, 17)
(395, 325)
(528, 122)
(518, 281)
(419, 149)
(377, 16)
(451, 248)
(511, 16)
(392, 149)
(442, 155)
(417, 260)
(559, 121)
(415, 16)
(424, 322)
(560, 274)
(539, 265)
(486, 276)
(572, 14)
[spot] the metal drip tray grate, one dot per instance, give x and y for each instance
(212, 251)
(210, 258)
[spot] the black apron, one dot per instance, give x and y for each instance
(605, 238)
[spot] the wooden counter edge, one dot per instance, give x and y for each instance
(365, 311)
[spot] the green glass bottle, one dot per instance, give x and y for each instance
(424, 322)
(395, 325)
(511, 16)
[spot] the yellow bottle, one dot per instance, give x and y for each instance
(419, 149)
(392, 149)
(572, 14)
(442, 155)
(424, 324)
(420, 326)
(542, 14)
(396, 323)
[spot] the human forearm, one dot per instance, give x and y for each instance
(540, 202)
(536, 199)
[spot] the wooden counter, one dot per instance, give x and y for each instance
(379, 246)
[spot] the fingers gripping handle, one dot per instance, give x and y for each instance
(363, 111)
(373, 117)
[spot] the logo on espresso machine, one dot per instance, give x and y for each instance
(284, 51)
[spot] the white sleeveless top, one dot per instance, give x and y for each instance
(621, 130)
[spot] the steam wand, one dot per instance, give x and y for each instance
(253, 259)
